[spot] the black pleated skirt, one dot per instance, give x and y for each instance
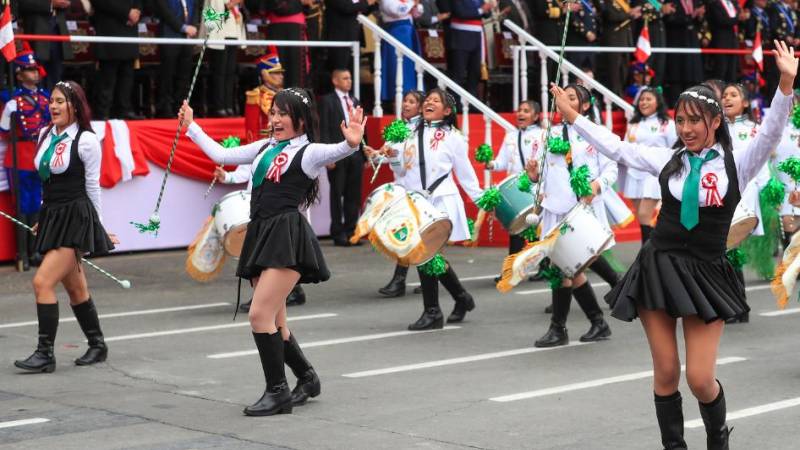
(282, 241)
(680, 284)
(73, 224)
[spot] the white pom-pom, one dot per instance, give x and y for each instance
(154, 218)
(125, 284)
(532, 219)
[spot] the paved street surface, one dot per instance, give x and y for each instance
(180, 370)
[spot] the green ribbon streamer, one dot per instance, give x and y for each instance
(266, 160)
(524, 182)
(552, 274)
(759, 249)
(558, 145)
(791, 167)
(213, 20)
(152, 225)
(437, 266)
(737, 258)
(484, 153)
(395, 132)
(231, 141)
(489, 199)
(579, 181)
(529, 234)
(44, 164)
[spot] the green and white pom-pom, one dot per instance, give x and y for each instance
(213, 20)
(737, 258)
(231, 141)
(579, 181)
(489, 199)
(152, 225)
(791, 167)
(524, 182)
(395, 132)
(773, 192)
(437, 266)
(529, 234)
(552, 274)
(557, 145)
(471, 228)
(484, 153)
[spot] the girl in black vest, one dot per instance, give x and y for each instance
(682, 271)
(68, 162)
(280, 248)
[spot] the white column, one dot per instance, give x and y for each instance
(515, 74)
(564, 76)
(377, 110)
(487, 174)
(398, 84)
(544, 82)
(465, 119)
(523, 62)
(357, 70)
(609, 119)
(420, 78)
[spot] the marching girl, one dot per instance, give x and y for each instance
(558, 200)
(280, 248)
(68, 161)
(412, 107)
(650, 125)
(430, 156)
(682, 271)
(788, 146)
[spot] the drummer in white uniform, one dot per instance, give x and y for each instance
(429, 158)
(650, 125)
(558, 200)
(789, 146)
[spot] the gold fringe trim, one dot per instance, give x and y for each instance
(413, 258)
(195, 273)
(625, 222)
(777, 287)
(507, 272)
(359, 233)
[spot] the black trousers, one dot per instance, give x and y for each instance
(293, 59)
(115, 87)
(465, 68)
(222, 64)
(173, 84)
(345, 186)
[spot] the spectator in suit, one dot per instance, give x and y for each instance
(222, 58)
(47, 17)
(116, 61)
(548, 21)
(583, 31)
(345, 175)
(784, 26)
(723, 16)
(682, 27)
(288, 23)
(431, 17)
(341, 25)
(179, 18)
(618, 15)
(465, 43)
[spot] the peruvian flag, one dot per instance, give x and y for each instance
(758, 52)
(7, 35)
(642, 52)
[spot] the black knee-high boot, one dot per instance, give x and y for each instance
(463, 299)
(296, 297)
(277, 398)
(713, 415)
(557, 333)
(397, 285)
(86, 313)
(584, 295)
(43, 359)
(308, 384)
(431, 317)
(601, 267)
(669, 411)
(646, 231)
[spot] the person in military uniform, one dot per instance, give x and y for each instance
(618, 15)
(259, 100)
(583, 31)
(723, 16)
(658, 34)
(784, 26)
(29, 103)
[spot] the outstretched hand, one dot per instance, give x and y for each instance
(186, 114)
(787, 66)
(354, 130)
(562, 103)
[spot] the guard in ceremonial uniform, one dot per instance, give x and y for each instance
(583, 31)
(259, 100)
(465, 45)
(287, 22)
(30, 104)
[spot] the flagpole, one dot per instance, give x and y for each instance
(22, 261)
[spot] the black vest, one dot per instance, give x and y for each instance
(270, 198)
(70, 185)
(707, 240)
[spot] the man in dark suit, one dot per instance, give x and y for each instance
(465, 42)
(341, 25)
(176, 22)
(47, 17)
(116, 61)
(344, 176)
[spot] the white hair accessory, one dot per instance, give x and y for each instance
(701, 97)
(302, 96)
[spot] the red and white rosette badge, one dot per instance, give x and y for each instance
(274, 172)
(58, 161)
(709, 183)
(438, 136)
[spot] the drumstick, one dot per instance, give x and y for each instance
(211, 186)
(376, 170)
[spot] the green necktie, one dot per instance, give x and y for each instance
(44, 164)
(266, 160)
(690, 204)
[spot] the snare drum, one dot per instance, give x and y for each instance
(231, 217)
(377, 202)
(743, 223)
(514, 205)
(580, 238)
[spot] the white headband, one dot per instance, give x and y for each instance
(702, 97)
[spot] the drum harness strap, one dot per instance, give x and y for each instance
(519, 149)
(428, 191)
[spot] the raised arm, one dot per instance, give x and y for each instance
(244, 154)
(324, 154)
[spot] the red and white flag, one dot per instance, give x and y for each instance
(642, 52)
(758, 52)
(7, 45)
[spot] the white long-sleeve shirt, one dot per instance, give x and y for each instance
(508, 157)
(742, 131)
(393, 10)
(90, 153)
(653, 159)
(650, 131)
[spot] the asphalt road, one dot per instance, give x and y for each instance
(180, 370)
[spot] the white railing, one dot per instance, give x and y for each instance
(521, 79)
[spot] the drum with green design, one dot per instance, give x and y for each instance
(514, 205)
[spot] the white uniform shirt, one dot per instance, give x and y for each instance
(742, 131)
(508, 158)
(393, 10)
(411, 124)
(653, 159)
(89, 151)
(650, 131)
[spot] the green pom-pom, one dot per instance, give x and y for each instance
(395, 132)
(529, 234)
(152, 225)
(484, 153)
(796, 116)
(737, 258)
(437, 266)
(558, 145)
(579, 180)
(213, 20)
(471, 227)
(231, 141)
(524, 182)
(489, 200)
(791, 167)
(552, 274)
(772, 193)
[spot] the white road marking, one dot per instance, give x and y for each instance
(758, 287)
(19, 423)
(747, 412)
(782, 312)
(127, 314)
(366, 337)
(451, 361)
(480, 277)
(128, 337)
(541, 291)
(595, 383)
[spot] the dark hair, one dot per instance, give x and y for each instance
(338, 71)
(76, 98)
(299, 104)
(699, 100)
(584, 97)
(449, 102)
(418, 95)
(534, 105)
(661, 106)
(748, 111)
(715, 85)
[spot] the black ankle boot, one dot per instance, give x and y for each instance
(297, 297)
(601, 267)
(397, 285)
(463, 299)
(584, 295)
(277, 398)
(43, 359)
(557, 333)
(669, 411)
(308, 384)
(713, 415)
(86, 313)
(431, 319)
